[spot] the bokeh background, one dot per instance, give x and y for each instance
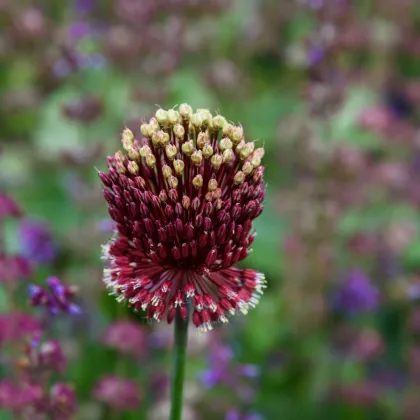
(331, 88)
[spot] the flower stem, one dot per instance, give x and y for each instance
(178, 366)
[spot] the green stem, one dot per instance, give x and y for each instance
(178, 366)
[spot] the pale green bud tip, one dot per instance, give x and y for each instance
(127, 135)
(225, 143)
(236, 134)
(239, 178)
(133, 167)
(202, 139)
(197, 121)
(207, 151)
(188, 148)
(247, 168)
(197, 157)
(216, 161)
(173, 116)
(179, 131)
(185, 111)
(212, 185)
(144, 128)
(166, 171)
(218, 122)
(228, 156)
(198, 181)
(150, 160)
(179, 166)
(173, 181)
(171, 151)
(145, 151)
(161, 116)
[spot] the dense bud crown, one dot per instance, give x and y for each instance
(183, 198)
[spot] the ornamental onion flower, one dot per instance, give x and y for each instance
(183, 197)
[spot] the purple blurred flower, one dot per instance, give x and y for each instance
(211, 377)
(233, 414)
(357, 294)
(249, 371)
(36, 242)
(56, 297)
(126, 337)
(84, 6)
(77, 61)
(121, 394)
(106, 225)
(315, 55)
(79, 30)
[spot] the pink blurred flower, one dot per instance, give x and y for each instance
(127, 337)
(121, 394)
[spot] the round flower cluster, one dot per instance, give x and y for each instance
(183, 198)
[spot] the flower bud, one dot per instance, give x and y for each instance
(133, 153)
(239, 178)
(188, 148)
(145, 151)
(153, 126)
(198, 181)
(259, 152)
(133, 167)
(173, 117)
(161, 117)
(247, 168)
(163, 196)
(228, 156)
(246, 150)
(255, 161)
(179, 166)
(225, 143)
(171, 151)
(144, 129)
(218, 123)
(197, 157)
(173, 181)
(197, 121)
(160, 138)
(207, 150)
(217, 193)
(127, 139)
(212, 185)
(227, 130)
(186, 202)
(236, 135)
(185, 110)
(216, 161)
(150, 160)
(166, 171)
(206, 117)
(179, 131)
(202, 139)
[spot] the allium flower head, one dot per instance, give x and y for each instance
(183, 198)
